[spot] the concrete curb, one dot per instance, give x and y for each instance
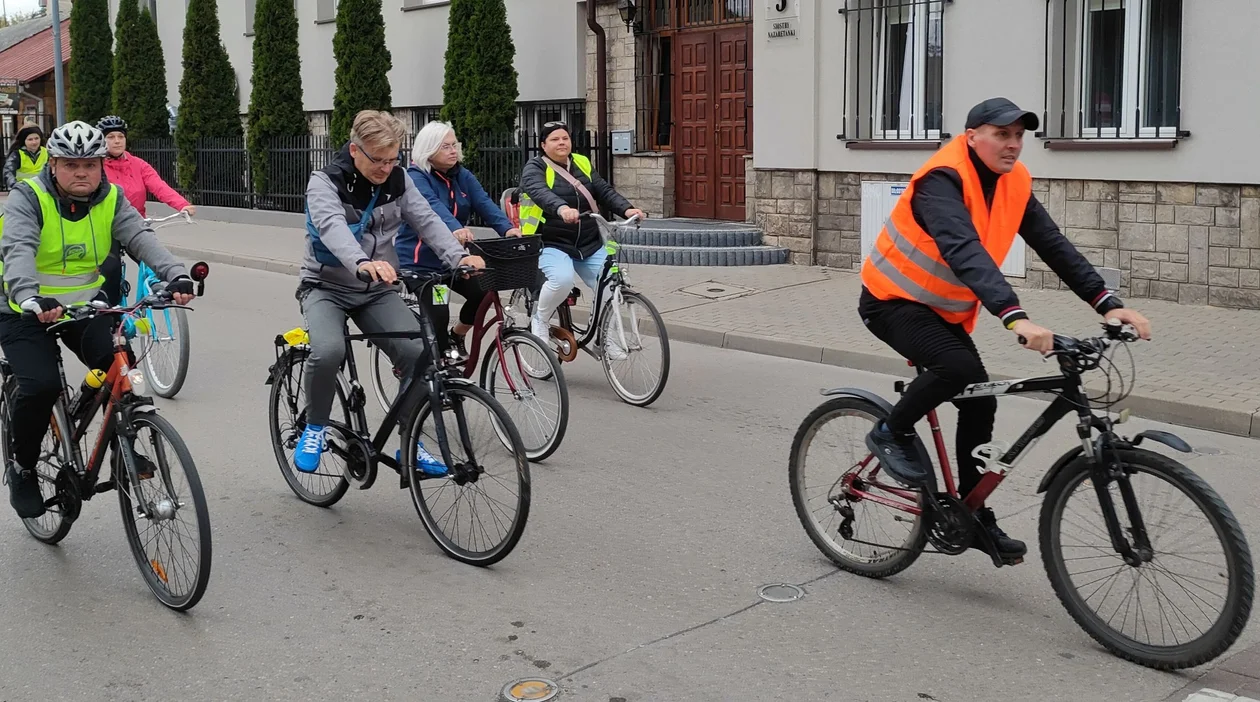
(1239, 422)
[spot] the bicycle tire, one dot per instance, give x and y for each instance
(1241, 589)
(381, 363)
(179, 327)
(53, 526)
(457, 393)
(606, 321)
(288, 361)
(899, 560)
(490, 371)
(154, 574)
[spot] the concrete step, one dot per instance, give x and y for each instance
(695, 238)
(703, 255)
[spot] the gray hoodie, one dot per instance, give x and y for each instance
(336, 197)
(24, 223)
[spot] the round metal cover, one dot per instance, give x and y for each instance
(781, 592)
(531, 690)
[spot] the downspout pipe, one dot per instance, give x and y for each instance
(601, 76)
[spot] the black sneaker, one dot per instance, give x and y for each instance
(24, 492)
(458, 342)
(1007, 548)
(899, 456)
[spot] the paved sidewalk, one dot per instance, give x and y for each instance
(1201, 371)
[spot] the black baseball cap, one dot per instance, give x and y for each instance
(1000, 112)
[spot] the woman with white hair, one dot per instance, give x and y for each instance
(454, 194)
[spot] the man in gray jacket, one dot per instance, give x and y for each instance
(56, 231)
(354, 209)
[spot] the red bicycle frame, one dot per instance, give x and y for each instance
(909, 499)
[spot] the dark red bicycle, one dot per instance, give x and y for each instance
(1144, 554)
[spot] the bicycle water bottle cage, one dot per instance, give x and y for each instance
(990, 456)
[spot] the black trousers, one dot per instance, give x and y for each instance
(111, 269)
(33, 354)
(950, 362)
(441, 314)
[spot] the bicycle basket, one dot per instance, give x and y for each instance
(513, 262)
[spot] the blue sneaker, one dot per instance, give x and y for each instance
(309, 449)
(426, 462)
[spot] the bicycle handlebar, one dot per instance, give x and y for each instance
(1073, 348)
(159, 299)
(426, 280)
(150, 221)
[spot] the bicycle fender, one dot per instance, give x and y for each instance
(858, 393)
(1168, 439)
(1057, 467)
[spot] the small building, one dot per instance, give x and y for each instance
(27, 89)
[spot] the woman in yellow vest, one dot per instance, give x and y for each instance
(556, 189)
(27, 156)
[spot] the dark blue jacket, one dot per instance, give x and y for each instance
(454, 196)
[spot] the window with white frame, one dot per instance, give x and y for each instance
(893, 75)
(1113, 68)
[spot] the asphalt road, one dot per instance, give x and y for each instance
(637, 577)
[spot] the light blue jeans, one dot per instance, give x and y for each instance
(560, 267)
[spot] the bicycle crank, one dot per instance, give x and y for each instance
(950, 525)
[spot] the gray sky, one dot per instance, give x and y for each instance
(14, 7)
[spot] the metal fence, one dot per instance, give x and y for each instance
(225, 176)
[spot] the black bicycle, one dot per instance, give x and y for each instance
(1106, 538)
(164, 510)
(485, 456)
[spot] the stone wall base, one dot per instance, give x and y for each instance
(647, 181)
(1195, 243)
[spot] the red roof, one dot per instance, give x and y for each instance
(33, 57)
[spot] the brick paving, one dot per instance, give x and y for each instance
(1200, 370)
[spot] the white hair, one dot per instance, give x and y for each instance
(429, 141)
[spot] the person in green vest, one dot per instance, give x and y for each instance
(27, 156)
(556, 189)
(57, 229)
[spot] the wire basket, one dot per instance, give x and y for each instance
(511, 262)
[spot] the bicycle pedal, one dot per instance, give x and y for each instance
(104, 487)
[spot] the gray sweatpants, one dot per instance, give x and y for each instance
(326, 311)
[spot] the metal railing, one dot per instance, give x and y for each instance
(225, 176)
(893, 77)
(1113, 69)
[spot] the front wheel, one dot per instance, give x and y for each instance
(164, 511)
(524, 374)
(486, 473)
(164, 350)
(1186, 596)
(635, 351)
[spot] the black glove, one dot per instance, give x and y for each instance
(183, 284)
(37, 304)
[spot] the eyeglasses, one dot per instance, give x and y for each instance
(449, 147)
(549, 125)
(389, 162)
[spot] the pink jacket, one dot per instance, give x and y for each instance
(138, 180)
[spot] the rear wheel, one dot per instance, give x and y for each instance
(286, 416)
(829, 460)
(477, 511)
(164, 516)
(1186, 599)
(61, 503)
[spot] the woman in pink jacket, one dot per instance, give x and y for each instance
(138, 180)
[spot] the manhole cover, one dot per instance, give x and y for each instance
(530, 689)
(780, 592)
(714, 290)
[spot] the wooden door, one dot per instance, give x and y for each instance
(694, 124)
(711, 75)
(731, 117)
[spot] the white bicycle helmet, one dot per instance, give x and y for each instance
(76, 140)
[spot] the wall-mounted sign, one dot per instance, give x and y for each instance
(782, 19)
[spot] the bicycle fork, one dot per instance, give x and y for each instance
(464, 472)
(1103, 473)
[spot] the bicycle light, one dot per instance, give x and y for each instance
(136, 378)
(200, 271)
